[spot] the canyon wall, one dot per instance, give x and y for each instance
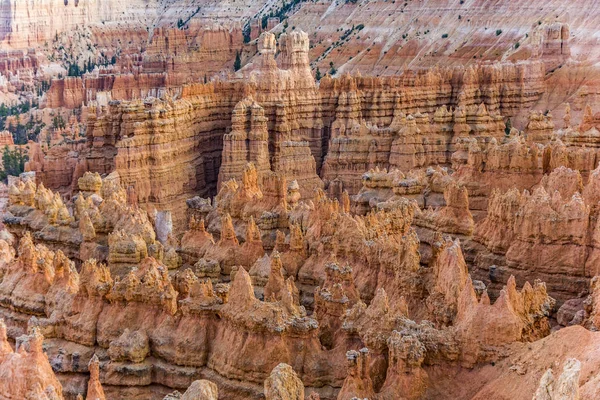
(347, 125)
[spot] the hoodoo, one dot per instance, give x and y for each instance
(290, 200)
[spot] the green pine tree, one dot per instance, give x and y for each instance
(13, 161)
(507, 127)
(238, 61)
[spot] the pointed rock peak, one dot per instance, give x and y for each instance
(380, 303)
(252, 231)
(283, 383)
(196, 225)
(296, 237)
(35, 340)
(227, 230)
(276, 262)
(502, 301)
(345, 201)
(290, 298)
(280, 241)
(242, 291)
(94, 367)
(95, 390)
(3, 336)
(250, 181)
(467, 300)
(588, 115)
(95, 278)
(201, 390)
(511, 289)
(26, 244)
(485, 298)
(5, 347)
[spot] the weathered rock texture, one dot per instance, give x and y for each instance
(129, 323)
(26, 372)
(207, 211)
(272, 114)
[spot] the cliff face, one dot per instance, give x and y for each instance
(193, 54)
(555, 217)
(26, 24)
(272, 114)
(191, 41)
(135, 149)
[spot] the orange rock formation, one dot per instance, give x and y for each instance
(308, 199)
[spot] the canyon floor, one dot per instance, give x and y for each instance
(289, 200)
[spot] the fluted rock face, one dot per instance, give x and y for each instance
(181, 165)
(557, 218)
(59, 167)
(390, 139)
(105, 86)
(296, 162)
(247, 142)
(192, 54)
(66, 93)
